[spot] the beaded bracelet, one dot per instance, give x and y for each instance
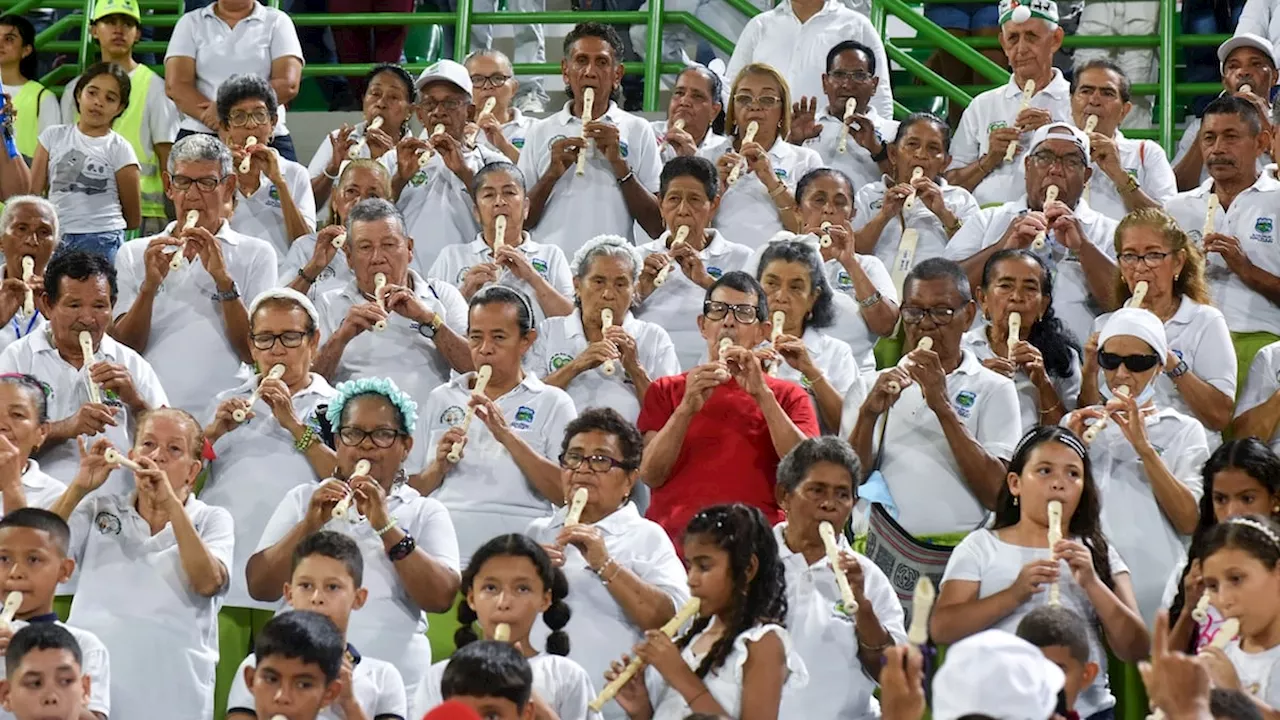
(390, 524)
(304, 442)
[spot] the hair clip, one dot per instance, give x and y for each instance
(1255, 525)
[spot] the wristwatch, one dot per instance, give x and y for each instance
(428, 329)
(1179, 370)
(232, 294)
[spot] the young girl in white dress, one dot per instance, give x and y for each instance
(509, 581)
(1242, 575)
(1242, 477)
(996, 577)
(736, 659)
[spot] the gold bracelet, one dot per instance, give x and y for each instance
(1051, 408)
(779, 189)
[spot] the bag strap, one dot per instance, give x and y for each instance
(884, 430)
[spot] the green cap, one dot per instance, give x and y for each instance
(116, 7)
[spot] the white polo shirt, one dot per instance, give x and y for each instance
(1251, 219)
(40, 488)
(136, 596)
(324, 153)
(514, 130)
(36, 355)
(933, 236)
(747, 214)
(834, 360)
(599, 629)
(486, 492)
(584, 206)
(401, 352)
(20, 326)
(95, 663)
(257, 466)
(437, 206)
(1143, 160)
(334, 276)
(561, 339)
(221, 51)
(799, 50)
(711, 142)
(998, 108)
(994, 564)
(1131, 517)
(455, 260)
(1260, 384)
(376, 685)
(1198, 335)
(559, 681)
(924, 478)
(676, 305)
(856, 160)
(1072, 301)
(260, 215)
(390, 626)
(1068, 388)
(825, 636)
(850, 325)
(188, 344)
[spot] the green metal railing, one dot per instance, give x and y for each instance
(928, 36)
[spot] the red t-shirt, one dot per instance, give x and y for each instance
(727, 455)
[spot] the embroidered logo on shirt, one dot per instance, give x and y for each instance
(540, 265)
(452, 416)
(462, 275)
(524, 416)
(273, 196)
(996, 126)
(1262, 230)
(844, 281)
(964, 403)
(715, 272)
(559, 360)
(622, 147)
(419, 178)
(782, 174)
(517, 143)
(877, 204)
(107, 523)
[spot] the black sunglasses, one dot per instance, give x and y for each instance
(1135, 363)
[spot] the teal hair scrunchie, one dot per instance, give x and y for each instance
(386, 387)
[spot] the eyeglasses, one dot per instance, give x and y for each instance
(745, 314)
(290, 339)
(429, 105)
(1152, 259)
(1046, 159)
(939, 315)
(489, 81)
(382, 437)
(764, 102)
(847, 75)
(1135, 363)
(241, 118)
(597, 463)
(182, 183)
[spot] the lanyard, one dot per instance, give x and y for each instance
(17, 327)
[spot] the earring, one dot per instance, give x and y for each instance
(1015, 501)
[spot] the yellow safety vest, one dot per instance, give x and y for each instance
(129, 125)
(26, 128)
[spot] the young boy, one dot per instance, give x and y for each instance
(153, 569)
(1063, 638)
(328, 571)
(43, 676)
(150, 123)
(492, 678)
(33, 560)
(299, 659)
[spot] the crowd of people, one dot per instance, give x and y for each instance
(484, 412)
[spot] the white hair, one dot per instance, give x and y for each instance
(13, 203)
(200, 148)
(606, 246)
(290, 295)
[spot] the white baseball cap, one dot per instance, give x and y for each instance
(1061, 131)
(448, 71)
(1256, 42)
(999, 675)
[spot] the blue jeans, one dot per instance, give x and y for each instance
(100, 243)
(963, 16)
(1206, 17)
